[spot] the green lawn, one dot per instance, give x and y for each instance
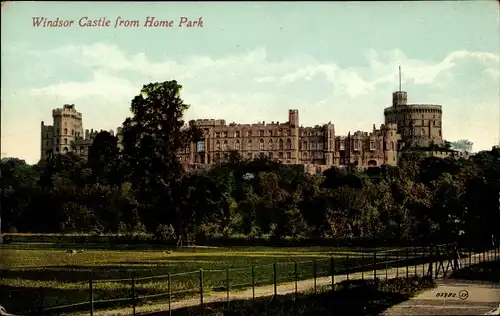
(34, 274)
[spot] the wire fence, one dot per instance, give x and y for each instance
(175, 290)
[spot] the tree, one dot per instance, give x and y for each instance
(151, 139)
(104, 160)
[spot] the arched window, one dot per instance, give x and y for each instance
(65, 131)
(281, 144)
(224, 145)
(65, 149)
(65, 141)
(57, 149)
(261, 144)
(249, 145)
(270, 144)
(217, 145)
(392, 145)
(72, 132)
(288, 144)
(305, 146)
(237, 145)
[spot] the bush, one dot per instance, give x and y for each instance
(165, 234)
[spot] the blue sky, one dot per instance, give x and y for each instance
(252, 62)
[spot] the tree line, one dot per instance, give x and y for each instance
(143, 189)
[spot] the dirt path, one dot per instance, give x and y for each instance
(268, 290)
(472, 298)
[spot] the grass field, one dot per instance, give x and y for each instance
(42, 274)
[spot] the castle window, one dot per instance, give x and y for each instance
(249, 145)
(288, 155)
(439, 133)
(423, 131)
(261, 133)
(281, 144)
(320, 145)
(65, 131)
(72, 132)
(280, 155)
(57, 149)
(305, 146)
(270, 144)
(261, 144)
(200, 146)
(237, 134)
(356, 145)
(304, 155)
(237, 145)
(249, 133)
(392, 145)
(372, 145)
(313, 145)
(288, 144)
(224, 145)
(65, 149)
(217, 145)
(217, 134)
(224, 134)
(57, 131)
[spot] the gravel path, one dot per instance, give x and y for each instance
(286, 288)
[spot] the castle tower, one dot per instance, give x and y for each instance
(67, 127)
(293, 120)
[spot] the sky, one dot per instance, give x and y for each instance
(252, 61)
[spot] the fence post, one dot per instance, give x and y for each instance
(201, 292)
(423, 261)
(332, 268)
(407, 267)
(397, 264)
(133, 296)
(91, 287)
(227, 286)
(296, 276)
(347, 270)
(169, 295)
(362, 265)
(314, 275)
(275, 280)
(253, 283)
(415, 259)
(41, 299)
(386, 265)
(374, 265)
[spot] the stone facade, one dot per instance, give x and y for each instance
(66, 134)
(418, 124)
(317, 148)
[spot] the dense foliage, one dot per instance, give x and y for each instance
(143, 188)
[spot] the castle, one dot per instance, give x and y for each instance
(316, 148)
(66, 133)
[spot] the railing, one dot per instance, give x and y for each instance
(176, 290)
